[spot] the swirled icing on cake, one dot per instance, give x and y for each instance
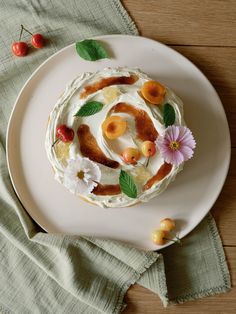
(118, 89)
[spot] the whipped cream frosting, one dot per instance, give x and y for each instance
(70, 102)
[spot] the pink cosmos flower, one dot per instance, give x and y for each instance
(176, 145)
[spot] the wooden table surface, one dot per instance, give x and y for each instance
(205, 32)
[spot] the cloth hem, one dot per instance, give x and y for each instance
(151, 257)
(218, 246)
(162, 283)
(200, 294)
(125, 16)
(120, 305)
(219, 252)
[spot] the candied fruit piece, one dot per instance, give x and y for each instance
(144, 126)
(153, 92)
(141, 174)
(62, 150)
(110, 94)
(114, 126)
(90, 148)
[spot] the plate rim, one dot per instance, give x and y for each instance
(101, 37)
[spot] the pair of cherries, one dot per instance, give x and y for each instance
(20, 48)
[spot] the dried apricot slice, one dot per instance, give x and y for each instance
(153, 92)
(114, 126)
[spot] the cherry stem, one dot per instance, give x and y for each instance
(176, 240)
(23, 28)
(139, 163)
(21, 31)
(57, 140)
(147, 162)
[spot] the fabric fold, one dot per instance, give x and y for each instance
(207, 272)
(95, 272)
(194, 269)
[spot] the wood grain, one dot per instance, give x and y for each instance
(224, 210)
(219, 66)
(205, 32)
(185, 22)
(141, 300)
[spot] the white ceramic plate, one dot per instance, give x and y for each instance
(187, 199)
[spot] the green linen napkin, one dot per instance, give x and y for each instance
(42, 273)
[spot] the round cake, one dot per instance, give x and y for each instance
(117, 137)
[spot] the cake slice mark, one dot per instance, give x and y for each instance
(144, 125)
(108, 81)
(162, 172)
(89, 147)
(107, 189)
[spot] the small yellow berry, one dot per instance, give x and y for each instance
(167, 224)
(158, 237)
(148, 148)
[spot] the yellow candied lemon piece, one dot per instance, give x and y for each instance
(141, 174)
(110, 94)
(62, 151)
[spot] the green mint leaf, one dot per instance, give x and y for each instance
(127, 184)
(91, 50)
(89, 109)
(168, 115)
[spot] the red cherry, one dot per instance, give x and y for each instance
(64, 133)
(20, 48)
(37, 40)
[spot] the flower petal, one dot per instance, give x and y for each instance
(191, 143)
(92, 175)
(168, 156)
(186, 137)
(183, 130)
(187, 152)
(177, 158)
(172, 133)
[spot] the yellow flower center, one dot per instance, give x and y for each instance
(80, 175)
(174, 145)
